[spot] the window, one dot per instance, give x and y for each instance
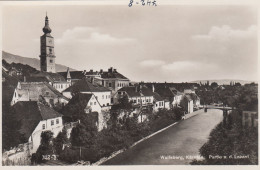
(109, 84)
(90, 103)
(102, 96)
(52, 122)
(94, 103)
(107, 104)
(51, 61)
(134, 101)
(156, 105)
(43, 126)
(147, 100)
(119, 93)
(47, 93)
(57, 121)
(61, 86)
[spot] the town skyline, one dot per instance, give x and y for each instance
(82, 40)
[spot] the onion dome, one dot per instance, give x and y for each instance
(46, 29)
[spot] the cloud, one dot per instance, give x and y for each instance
(151, 63)
(89, 35)
(225, 33)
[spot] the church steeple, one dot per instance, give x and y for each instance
(46, 29)
(47, 49)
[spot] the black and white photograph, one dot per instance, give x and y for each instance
(135, 82)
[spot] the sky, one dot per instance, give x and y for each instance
(174, 43)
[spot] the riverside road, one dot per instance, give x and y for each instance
(176, 145)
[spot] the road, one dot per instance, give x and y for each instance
(181, 140)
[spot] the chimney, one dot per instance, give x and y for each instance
(101, 70)
(136, 88)
(110, 70)
(91, 70)
(114, 71)
(153, 88)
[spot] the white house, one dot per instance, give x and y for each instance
(139, 95)
(36, 118)
(91, 105)
(187, 103)
(159, 103)
(89, 86)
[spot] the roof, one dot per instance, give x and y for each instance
(51, 77)
(85, 85)
(73, 74)
(131, 91)
(77, 104)
(134, 91)
(36, 79)
(157, 97)
(82, 98)
(35, 86)
(30, 113)
(194, 96)
(188, 97)
(8, 87)
(164, 92)
(109, 75)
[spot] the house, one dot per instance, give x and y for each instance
(187, 103)
(194, 96)
(72, 76)
(110, 79)
(54, 79)
(36, 91)
(88, 104)
(159, 102)
(139, 95)
(89, 86)
(170, 94)
(35, 118)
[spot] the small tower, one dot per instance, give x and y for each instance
(47, 56)
(68, 75)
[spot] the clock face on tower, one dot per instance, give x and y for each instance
(49, 42)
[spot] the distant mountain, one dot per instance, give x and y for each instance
(33, 62)
(223, 81)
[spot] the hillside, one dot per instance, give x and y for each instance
(223, 81)
(33, 62)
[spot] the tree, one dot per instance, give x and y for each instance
(214, 85)
(45, 148)
(60, 140)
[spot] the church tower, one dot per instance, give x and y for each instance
(47, 49)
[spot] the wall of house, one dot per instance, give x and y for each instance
(94, 105)
(15, 98)
(167, 105)
(158, 105)
(35, 138)
(60, 86)
(67, 94)
(142, 99)
(104, 98)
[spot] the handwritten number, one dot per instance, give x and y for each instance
(131, 3)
